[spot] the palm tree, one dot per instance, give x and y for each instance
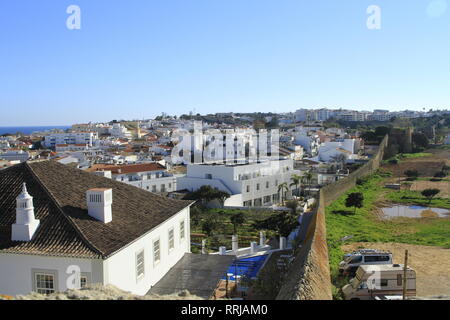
(308, 178)
(283, 188)
(296, 180)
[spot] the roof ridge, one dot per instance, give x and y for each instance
(77, 230)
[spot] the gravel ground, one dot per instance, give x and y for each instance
(432, 264)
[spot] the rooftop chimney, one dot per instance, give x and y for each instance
(99, 203)
(26, 225)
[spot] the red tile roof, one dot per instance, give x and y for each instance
(127, 168)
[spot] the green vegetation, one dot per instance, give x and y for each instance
(365, 226)
(430, 194)
(218, 225)
(406, 156)
(416, 198)
(355, 200)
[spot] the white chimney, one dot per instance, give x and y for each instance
(26, 225)
(99, 203)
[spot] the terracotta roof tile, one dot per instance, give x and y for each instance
(66, 229)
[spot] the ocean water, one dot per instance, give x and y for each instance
(29, 130)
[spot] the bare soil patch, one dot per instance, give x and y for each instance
(426, 166)
(432, 264)
(444, 186)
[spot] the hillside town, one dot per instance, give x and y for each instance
(136, 204)
(224, 159)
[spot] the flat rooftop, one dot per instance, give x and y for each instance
(199, 274)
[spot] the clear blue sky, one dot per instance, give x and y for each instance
(138, 58)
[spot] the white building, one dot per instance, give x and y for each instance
(68, 228)
(151, 177)
(254, 184)
(309, 141)
(74, 138)
(120, 131)
(330, 150)
(15, 155)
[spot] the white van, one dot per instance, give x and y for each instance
(351, 263)
(375, 282)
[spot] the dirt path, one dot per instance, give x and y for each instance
(432, 264)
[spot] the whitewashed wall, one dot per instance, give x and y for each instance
(120, 269)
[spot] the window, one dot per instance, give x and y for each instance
(163, 188)
(399, 280)
(171, 239)
(266, 199)
(248, 188)
(84, 281)
(140, 265)
(267, 185)
(384, 282)
(257, 186)
(153, 188)
(208, 176)
(44, 283)
(182, 231)
(156, 252)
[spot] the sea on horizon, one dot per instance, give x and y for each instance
(29, 130)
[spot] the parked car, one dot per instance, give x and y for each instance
(351, 254)
(380, 282)
(349, 266)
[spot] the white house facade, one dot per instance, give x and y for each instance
(250, 185)
(88, 230)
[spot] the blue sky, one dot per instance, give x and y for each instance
(137, 58)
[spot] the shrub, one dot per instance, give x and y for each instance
(440, 174)
(393, 161)
(412, 173)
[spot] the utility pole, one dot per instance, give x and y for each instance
(405, 279)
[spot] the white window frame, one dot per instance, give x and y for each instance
(182, 230)
(156, 262)
(140, 276)
(53, 273)
(171, 243)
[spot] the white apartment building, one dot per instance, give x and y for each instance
(91, 230)
(151, 177)
(120, 131)
(309, 141)
(253, 184)
(15, 155)
(74, 138)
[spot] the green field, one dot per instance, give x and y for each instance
(365, 226)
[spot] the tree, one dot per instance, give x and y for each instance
(210, 225)
(296, 180)
(430, 194)
(355, 200)
(420, 140)
(196, 214)
(283, 188)
(282, 223)
(207, 193)
(307, 178)
(293, 205)
(381, 131)
(237, 219)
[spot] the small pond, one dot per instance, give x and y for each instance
(414, 212)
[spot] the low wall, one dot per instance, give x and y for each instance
(309, 275)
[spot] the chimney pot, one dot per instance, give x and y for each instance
(99, 203)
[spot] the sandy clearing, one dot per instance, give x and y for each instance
(432, 264)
